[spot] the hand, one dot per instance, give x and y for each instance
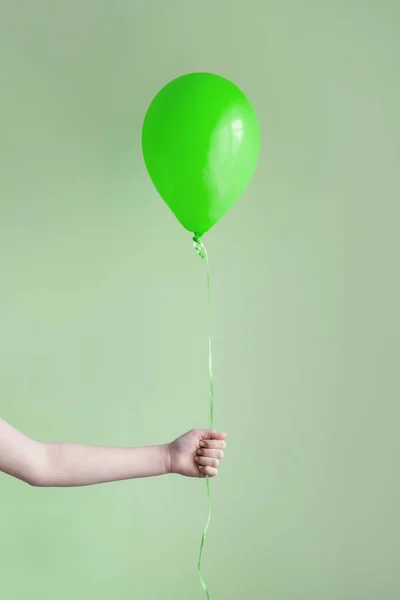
(196, 453)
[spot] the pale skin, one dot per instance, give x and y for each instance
(197, 453)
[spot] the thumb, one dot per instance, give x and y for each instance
(210, 434)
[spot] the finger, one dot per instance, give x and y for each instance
(206, 462)
(210, 471)
(202, 471)
(210, 453)
(215, 444)
(217, 435)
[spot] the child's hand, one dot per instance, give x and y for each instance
(196, 453)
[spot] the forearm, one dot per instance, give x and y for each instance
(75, 465)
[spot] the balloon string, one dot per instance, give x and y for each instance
(202, 252)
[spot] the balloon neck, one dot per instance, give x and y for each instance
(198, 245)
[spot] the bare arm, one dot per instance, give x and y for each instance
(59, 464)
(194, 454)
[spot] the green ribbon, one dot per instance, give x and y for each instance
(202, 252)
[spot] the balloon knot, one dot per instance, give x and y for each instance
(198, 245)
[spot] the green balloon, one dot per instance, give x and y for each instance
(200, 143)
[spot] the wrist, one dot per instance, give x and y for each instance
(166, 457)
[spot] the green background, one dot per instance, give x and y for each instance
(102, 301)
